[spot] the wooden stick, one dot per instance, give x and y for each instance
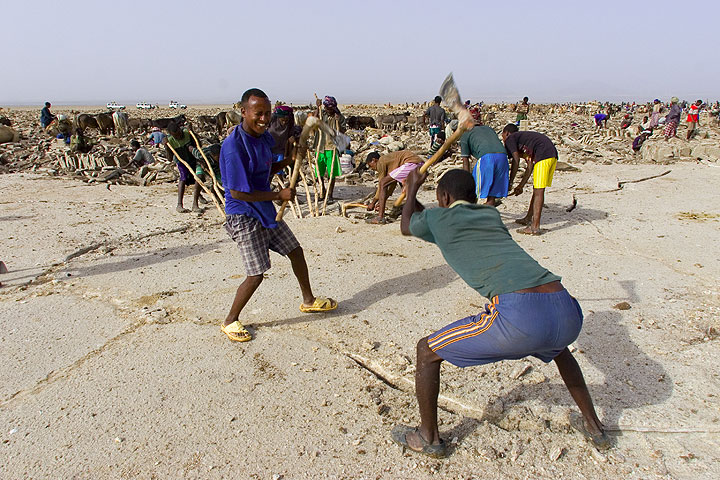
(620, 184)
(462, 128)
(307, 193)
(297, 202)
(202, 185)
(209, 166)
(311, 124)
(332, 172)
(318, 180)
(345, 206)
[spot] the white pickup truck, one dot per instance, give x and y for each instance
(144, 106)
(115, 106)
(174, 104)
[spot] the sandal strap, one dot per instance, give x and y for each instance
(235, 327)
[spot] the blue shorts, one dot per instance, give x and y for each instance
(434, 131)
(513, 326)
(492, 176)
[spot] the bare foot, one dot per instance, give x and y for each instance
(180, 209)
(524, 221)
(415, 441)
(529, 231)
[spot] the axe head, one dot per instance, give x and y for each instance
(341, 141)
(450, 94)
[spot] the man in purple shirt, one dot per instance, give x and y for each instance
(246, 166)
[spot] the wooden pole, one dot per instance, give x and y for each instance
(297, 202)
(462, 128)
(209, 166)
(308, 199)
(332, 172)
(311, 124)
(217, 205)
(316, 172)
(316, 177)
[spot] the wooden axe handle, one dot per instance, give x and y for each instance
(217, 205)
(310, 125)
(462, 128)
(209, 166)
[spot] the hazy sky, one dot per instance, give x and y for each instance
(93, 52)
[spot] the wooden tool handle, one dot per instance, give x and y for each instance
(293, 182)
(311, 124)
(209, 166)
(462, 128)
(217, 205)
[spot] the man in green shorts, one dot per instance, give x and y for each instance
(530, 313)
(328, 161)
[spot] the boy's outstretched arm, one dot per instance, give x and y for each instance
(412, 184)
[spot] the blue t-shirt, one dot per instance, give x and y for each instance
(245, 163)
(157, 137)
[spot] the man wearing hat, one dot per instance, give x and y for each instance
(328, 162)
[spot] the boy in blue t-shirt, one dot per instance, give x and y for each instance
(246, 165)
(530, 314)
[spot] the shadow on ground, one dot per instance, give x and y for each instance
(143, 260)
(632, 378)
(415, 283)
(556, 217)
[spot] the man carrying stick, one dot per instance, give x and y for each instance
(328, 161)
(247, 167)
(530, 313)
(181, 141)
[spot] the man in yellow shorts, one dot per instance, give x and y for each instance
(541, 157)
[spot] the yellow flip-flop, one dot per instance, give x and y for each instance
(321, 304)
(236, 332)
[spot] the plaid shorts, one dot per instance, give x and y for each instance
(255, 241)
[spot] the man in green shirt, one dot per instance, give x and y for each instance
(181, 140)
(530, 314)
(491, 171)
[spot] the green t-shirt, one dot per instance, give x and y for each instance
(476, 244)
(479, 141)
(180, 142)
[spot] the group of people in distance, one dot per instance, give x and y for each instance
(530, 313)
(670, 122)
